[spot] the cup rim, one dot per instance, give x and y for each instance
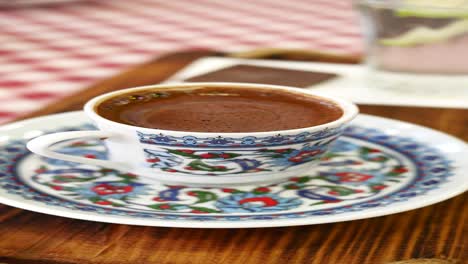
(350, 110)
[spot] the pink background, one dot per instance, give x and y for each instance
(47, 52)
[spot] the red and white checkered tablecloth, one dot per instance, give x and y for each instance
(47, 52)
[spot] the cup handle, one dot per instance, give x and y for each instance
(41, 146)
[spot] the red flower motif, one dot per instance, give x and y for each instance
(295, 159)
(333, 193)
(227, 190)
(267, 201)
(262, 189)
(206, 156)
(379, 187)
(304, 154)
(309, 153)
(374, 150)
(224, 156)
(164, 206)
(220, 167)
(40, 170)
(192, 193)
(78, 143)
(400, 170)
(332, 201)
(198, 212)
(189, 168)
(188, 151)
(90, 156)
(103, 202)
(353, 176)
(153, 160)
(56, 187)
(171, 170)
(176, 186)
(291, 186)
(106, 189)
(159, 199)
(281, 150)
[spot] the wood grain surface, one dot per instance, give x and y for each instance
(437, 232)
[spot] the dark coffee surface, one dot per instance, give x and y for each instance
(220, 109)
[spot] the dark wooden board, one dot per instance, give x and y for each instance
(439, 231)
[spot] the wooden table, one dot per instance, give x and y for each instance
(438, 231)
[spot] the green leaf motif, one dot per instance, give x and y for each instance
(203, 196)
(204, 209)
(95, 199)
(303, 179)
(393, 180)
(165, 206)
(342, 191)
(228, 155)
(277, 156)
(364, 150)
(200, 165)
(329, 156)
(71, 178)
(293, 186)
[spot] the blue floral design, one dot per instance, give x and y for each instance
(251, 202)
(219, 141)
(157, 138)
(311, 194)
(189, 140)
(247, 164)
(247, 141)
(275, 139)
(301, 137)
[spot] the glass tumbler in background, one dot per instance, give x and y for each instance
(417, 45)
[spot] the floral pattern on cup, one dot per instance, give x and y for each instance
(242, 142)
(214, 162)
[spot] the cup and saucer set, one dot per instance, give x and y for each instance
(82, 165)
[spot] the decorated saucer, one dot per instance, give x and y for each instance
(378, 167)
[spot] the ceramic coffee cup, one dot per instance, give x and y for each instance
(208, 159)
